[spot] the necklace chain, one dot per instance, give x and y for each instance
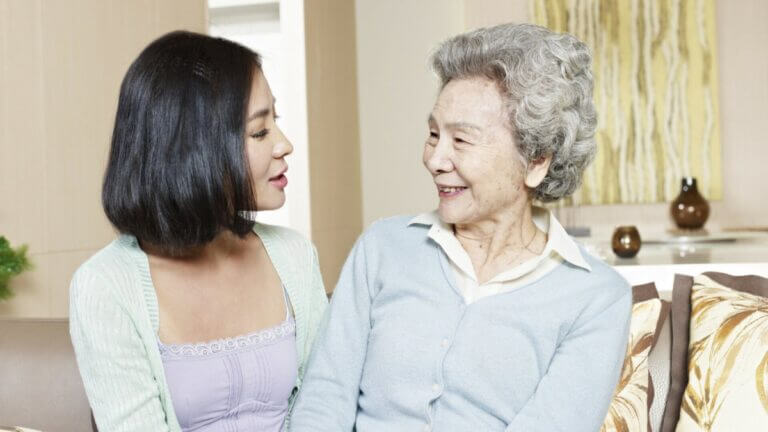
(526, 247)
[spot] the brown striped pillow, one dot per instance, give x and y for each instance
(720, 365)
(633, 396)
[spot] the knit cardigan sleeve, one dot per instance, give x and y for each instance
(328, 397)
(318, 305)
(113, 360)
(575, 392)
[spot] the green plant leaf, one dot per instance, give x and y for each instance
(12, 262)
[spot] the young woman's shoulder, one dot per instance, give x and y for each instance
(113, 270)
(287, 242)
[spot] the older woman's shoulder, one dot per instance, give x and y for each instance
(599, 266)
(391, 224)
(602, 283)
(398, 233)
(395, 228)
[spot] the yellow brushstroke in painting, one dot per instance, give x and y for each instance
(637, 28)
(650, 17)
(709, 122)
(646, 132)
(660, 168)
(668, 120)
(611, 70)
(682, 99)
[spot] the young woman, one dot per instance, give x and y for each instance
(195, 318)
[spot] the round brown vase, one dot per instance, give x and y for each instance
(689, 210)
(626, 241)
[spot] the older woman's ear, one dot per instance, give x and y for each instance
(537, 170)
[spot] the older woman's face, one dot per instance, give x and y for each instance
(471, 153)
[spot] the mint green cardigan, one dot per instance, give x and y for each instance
(114, 323)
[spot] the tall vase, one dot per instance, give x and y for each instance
(689, 210)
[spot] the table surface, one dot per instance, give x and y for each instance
(743, 248)
(659, 260)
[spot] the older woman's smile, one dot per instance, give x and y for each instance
(471, 153)
(449, 191)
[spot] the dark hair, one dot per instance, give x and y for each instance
(178, 173)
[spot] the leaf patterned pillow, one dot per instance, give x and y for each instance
(633, 395)
(727, 386)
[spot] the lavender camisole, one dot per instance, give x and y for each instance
(234, 384)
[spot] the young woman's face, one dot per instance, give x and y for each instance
(266, 147)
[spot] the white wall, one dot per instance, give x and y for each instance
(275, 29)
(396, 91)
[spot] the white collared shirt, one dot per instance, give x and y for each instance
(560, 246)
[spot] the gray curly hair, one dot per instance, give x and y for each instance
(546, 78)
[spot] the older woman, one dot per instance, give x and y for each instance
(485, 315)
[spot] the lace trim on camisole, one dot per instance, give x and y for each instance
(252, 340)
(256, 339)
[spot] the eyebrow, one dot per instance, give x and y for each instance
(463, 125)
(457, 125)
(262, 113)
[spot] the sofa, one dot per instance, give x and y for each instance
(40, 385)
(658, 366)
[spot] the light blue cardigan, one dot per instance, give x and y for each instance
(114, 322)
(399, 349)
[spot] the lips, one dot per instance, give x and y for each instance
(446, 191)
(450, 189)
(280, 174)
(280, 181)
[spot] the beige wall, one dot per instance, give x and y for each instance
(61, 64)
(396, 92)
(333, 137)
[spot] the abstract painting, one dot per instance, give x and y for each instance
(656, 93)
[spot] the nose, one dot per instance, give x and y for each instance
(437, 159)
(282, 147)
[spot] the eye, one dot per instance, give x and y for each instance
(433, 138)
(461, 141)
(260, 134)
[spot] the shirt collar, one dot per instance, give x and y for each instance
(558, 239)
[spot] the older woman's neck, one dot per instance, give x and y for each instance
(501, 241)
